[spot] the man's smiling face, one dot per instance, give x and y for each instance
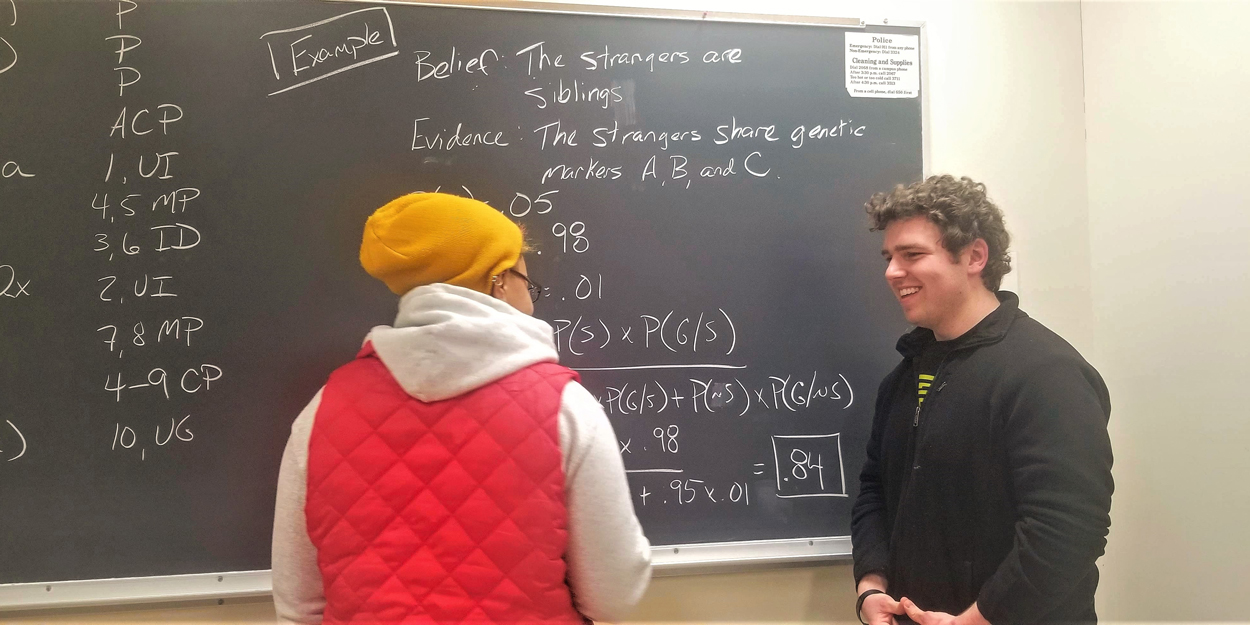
(930, 285)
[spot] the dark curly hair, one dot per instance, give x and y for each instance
(960, 210)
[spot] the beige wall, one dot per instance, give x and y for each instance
(1132, 245)
(1167, 87)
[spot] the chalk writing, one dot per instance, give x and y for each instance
(522, 204)
(536, 55)
(126, 437)
(130, 204)
(329, 47)
(730, 395)
(11, 169)
(574, 92)
(709, 330)
(8, 54)
(438, 70)
(732, 131)
(592, 169)
(175, 330)
(605, 136)
(168, 114)
(12, 285)
(571, 233)
(608, 59)
(805, 466)
(146, 214)
(12, 451)
(688, 491)
(167, 237)
(816, 132)
(444, 141)
(190, 381)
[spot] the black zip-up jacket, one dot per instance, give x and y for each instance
(998, 490)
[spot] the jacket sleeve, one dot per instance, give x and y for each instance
(298, 595)
(1059, 458)
(870, 537)
(609, 558)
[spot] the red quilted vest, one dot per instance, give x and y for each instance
(444, 512)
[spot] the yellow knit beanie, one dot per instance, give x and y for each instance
(427, 238)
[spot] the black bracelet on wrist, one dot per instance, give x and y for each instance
(859, 604)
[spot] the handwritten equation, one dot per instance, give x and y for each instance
(708, 395)
(802, 466)
(714, 331)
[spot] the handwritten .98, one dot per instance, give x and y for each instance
(575, 231)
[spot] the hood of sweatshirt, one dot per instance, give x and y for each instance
(448, 340)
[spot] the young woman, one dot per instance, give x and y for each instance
(454, 472)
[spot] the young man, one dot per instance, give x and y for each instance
(987, 489)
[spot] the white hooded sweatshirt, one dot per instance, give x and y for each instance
(446, 341)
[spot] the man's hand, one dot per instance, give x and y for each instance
(971, 616)
(922, 617)
(880, 610)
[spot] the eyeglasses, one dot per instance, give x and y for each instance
(535, 289)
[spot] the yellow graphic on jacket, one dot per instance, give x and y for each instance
(925, 382)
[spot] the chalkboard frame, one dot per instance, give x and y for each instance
(667, 560)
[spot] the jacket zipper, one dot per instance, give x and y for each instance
(915, 422)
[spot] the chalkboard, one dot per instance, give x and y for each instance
(184, 186)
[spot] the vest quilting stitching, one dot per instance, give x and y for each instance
(514, 455)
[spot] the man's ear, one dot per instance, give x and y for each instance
(976, 255)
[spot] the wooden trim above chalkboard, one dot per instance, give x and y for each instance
(595, 9)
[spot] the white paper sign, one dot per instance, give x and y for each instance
(882, 65)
